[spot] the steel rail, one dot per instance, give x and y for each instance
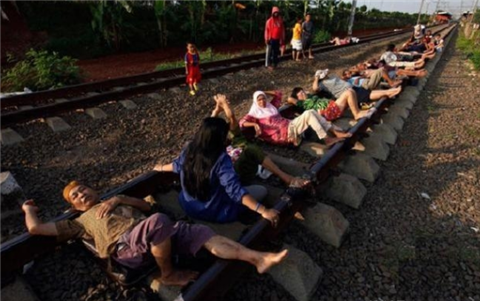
(41, 96)
(25, 248)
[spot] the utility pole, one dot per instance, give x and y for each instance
(474, 9)
(420, 12)
(352, 18)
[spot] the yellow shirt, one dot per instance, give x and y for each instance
(297, 32)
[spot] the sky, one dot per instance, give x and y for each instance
(413, 6)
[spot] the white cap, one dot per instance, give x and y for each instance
(321, 74)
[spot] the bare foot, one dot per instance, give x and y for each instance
(394, 92)
(342, 134)
(396, 83)
(268, 260)
(179, 277)
(329, 141)
(298, 182)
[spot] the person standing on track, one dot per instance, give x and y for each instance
(297, 40)
(274, 38)
(307, 36)
(192, 68)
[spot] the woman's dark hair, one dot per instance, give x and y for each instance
(295, 92)
(201, 154)
(391, 47)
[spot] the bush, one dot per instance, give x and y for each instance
(321, 36)
(41, 70)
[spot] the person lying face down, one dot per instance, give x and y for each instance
(271, 127)
(122, 232)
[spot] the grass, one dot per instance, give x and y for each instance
(470, 47)
(205, 57)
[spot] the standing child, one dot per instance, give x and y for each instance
(192, 68)
(297, 40)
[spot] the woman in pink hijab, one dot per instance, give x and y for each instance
(271, 127)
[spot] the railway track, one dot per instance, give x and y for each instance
(23, 249)
(25, 107)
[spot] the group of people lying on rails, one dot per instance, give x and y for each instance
(216, 180)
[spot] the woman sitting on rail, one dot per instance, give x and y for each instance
(211, 190)
(271, 127)
(247, 157)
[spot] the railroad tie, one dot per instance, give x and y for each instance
(389, 135)
(361, 166)
(327, 223)
(376, 147)
(298, 274)
(57, 124)
(10, 137)
(128, 104)
(345, 189)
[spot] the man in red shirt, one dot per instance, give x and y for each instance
(274, 37)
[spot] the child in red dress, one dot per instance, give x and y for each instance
(192, 68)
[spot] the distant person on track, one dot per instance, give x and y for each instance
(307, 36)
(340, 42)
(192, 68)
(271, 127)
(438, 42)
(122, 232)
(246, 156)
(297, 40)
(211, 189)
(274, 38)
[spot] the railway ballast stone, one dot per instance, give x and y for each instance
(298, 274)
(128, 104)
(57, 124)
(394, 121)
(345, 189)
(10, 137)
(18, 290)
(96, 113)
(327, 223)
(376, 147)
(388, 134)
(361, 166)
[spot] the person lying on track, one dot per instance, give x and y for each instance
(396, 58)
(347, 40)
(211, 189)
(122, 232)
(369, 78)
(330, 109)
(272, 128)
(246, 156)
(394, 72)
(339, 88)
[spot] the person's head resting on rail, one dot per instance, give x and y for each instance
(81, 197)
